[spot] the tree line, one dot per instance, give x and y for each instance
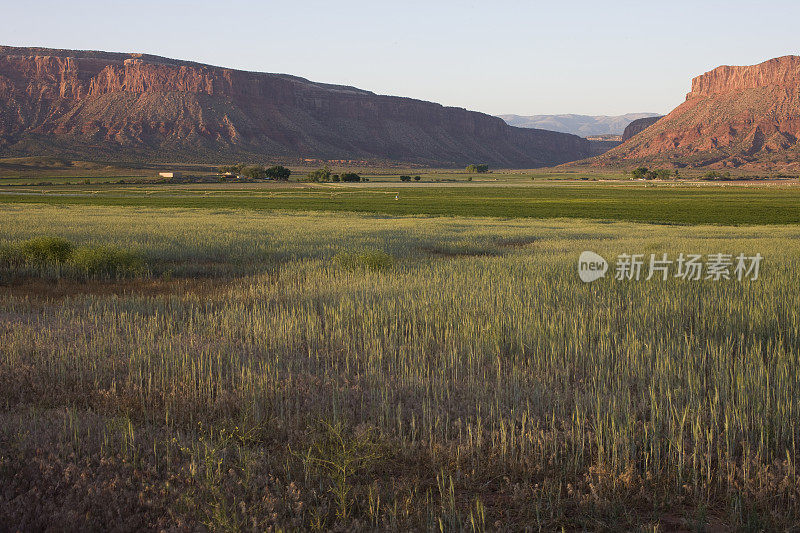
(644, 173)
(279, 172)
(325, 174)
(276, 172)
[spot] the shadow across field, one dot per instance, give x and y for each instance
(37, 288)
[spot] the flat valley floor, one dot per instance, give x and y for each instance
(202, 365)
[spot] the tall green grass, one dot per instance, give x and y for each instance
(451, 391)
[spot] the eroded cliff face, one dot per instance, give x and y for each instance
(779, 72)
(746, 117)
(85, 104)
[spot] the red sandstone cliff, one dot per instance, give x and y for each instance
(781, 71)
(745, 117)
(130, 106)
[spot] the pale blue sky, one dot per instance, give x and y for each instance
(502, 56)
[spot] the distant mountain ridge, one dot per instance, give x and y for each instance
(734, 117)
(581, 125)
(98, 105)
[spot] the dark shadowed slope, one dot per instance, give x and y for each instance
(132, 106)
(638, 126)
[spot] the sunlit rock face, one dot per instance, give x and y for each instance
(746, 117)
(86, 104)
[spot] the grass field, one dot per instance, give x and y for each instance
(311, 370)
(666, 203)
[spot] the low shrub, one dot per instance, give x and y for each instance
(57, 257)
(46, 250)
(102, 261)
(372, 260)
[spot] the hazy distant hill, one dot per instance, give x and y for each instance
(583, 125)
(97, 105)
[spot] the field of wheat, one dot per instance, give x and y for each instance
(281, 371)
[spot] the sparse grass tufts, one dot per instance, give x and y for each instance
(338, 453)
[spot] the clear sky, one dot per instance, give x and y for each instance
(502, 56)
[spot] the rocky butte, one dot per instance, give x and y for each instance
(734, 117)
(90, 105)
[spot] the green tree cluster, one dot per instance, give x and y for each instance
(321, 174)
(276, 172)
(717, 175)
(236, 169)
(644, 173)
